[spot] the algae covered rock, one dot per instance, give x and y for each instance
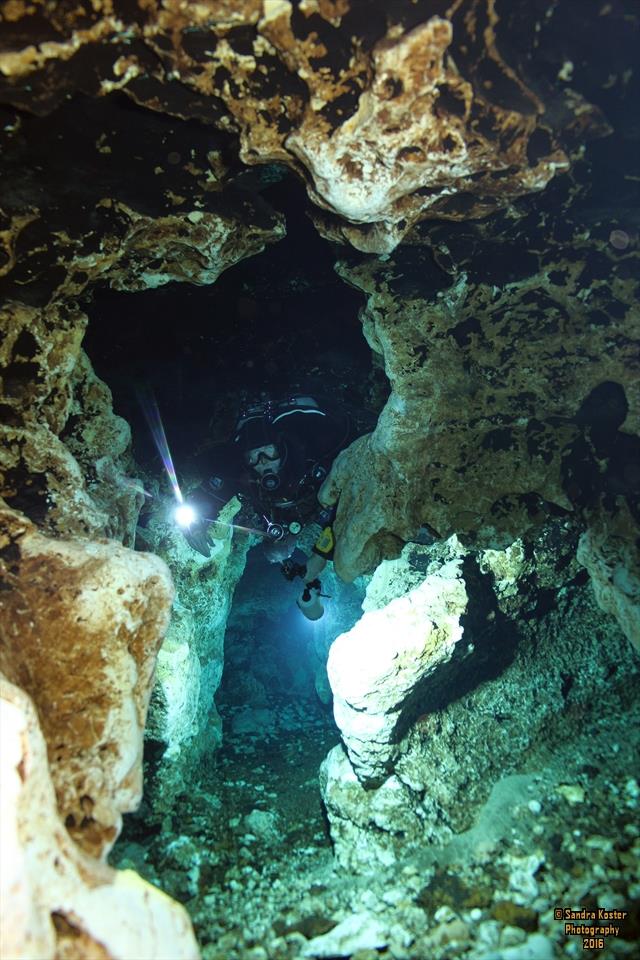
(537, 666)
(183, 718)
(607, 551)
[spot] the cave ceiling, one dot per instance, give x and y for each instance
(469, 166)
(393, 115)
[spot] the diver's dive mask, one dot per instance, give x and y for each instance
(267, 454)
(265, 462)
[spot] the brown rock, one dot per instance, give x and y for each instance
(55, 900)
(80, 627)
(477, 433)
(390, 120)
(63, 452)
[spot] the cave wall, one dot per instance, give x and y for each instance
(184, 726)
(467, 668)
(54, 408)
(81, 625)
(473, 134)
(57, 900)
(469, 133)
(511, 401)
(82, 618)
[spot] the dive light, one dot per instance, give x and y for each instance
(185, 515)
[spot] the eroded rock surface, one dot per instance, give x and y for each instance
(537, 658)
(81, 627)
(505, 398)
(55, 900)
(607, 551)
(381, 670)
(183, 719)
(505, 324)
(501, 340)
(64, 454)
(391, 114)
(142, 209)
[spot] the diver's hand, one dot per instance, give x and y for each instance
(312, 589)
(290, 569)
(196, 537)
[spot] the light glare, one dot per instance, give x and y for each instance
(185, 515)
(153, 418)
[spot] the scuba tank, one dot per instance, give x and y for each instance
(309, 601)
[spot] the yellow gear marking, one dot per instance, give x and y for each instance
(325, 542)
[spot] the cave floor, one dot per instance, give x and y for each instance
(246, 849)
(249, 839)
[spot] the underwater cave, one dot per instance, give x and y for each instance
(319, 480)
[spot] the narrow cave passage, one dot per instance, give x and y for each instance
(275, 699)
(246, 839)
(242, 819)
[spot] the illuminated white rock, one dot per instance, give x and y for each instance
(56, 900)
(360, 931)
(367, 826)
(384, 670)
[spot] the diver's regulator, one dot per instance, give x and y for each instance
(270, 481)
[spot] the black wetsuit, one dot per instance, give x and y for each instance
(308, 438)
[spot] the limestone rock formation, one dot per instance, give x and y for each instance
(391, 114)
(403, 126)
(63, 459)
(55, 900)
(141, 210)
(478, 437)
(454, 153)
(183, 719)
(81, 626)
(538, 656)
(381, 670)
(607, 551)
(81, 621)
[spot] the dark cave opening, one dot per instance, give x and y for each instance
(276, 322)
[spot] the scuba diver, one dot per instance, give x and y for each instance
(275, 464)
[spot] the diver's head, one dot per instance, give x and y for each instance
(263, 449)
(266, 462)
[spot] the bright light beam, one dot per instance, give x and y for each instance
(152, 416)
(238, 526)
(185, 515)
(154, 420)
